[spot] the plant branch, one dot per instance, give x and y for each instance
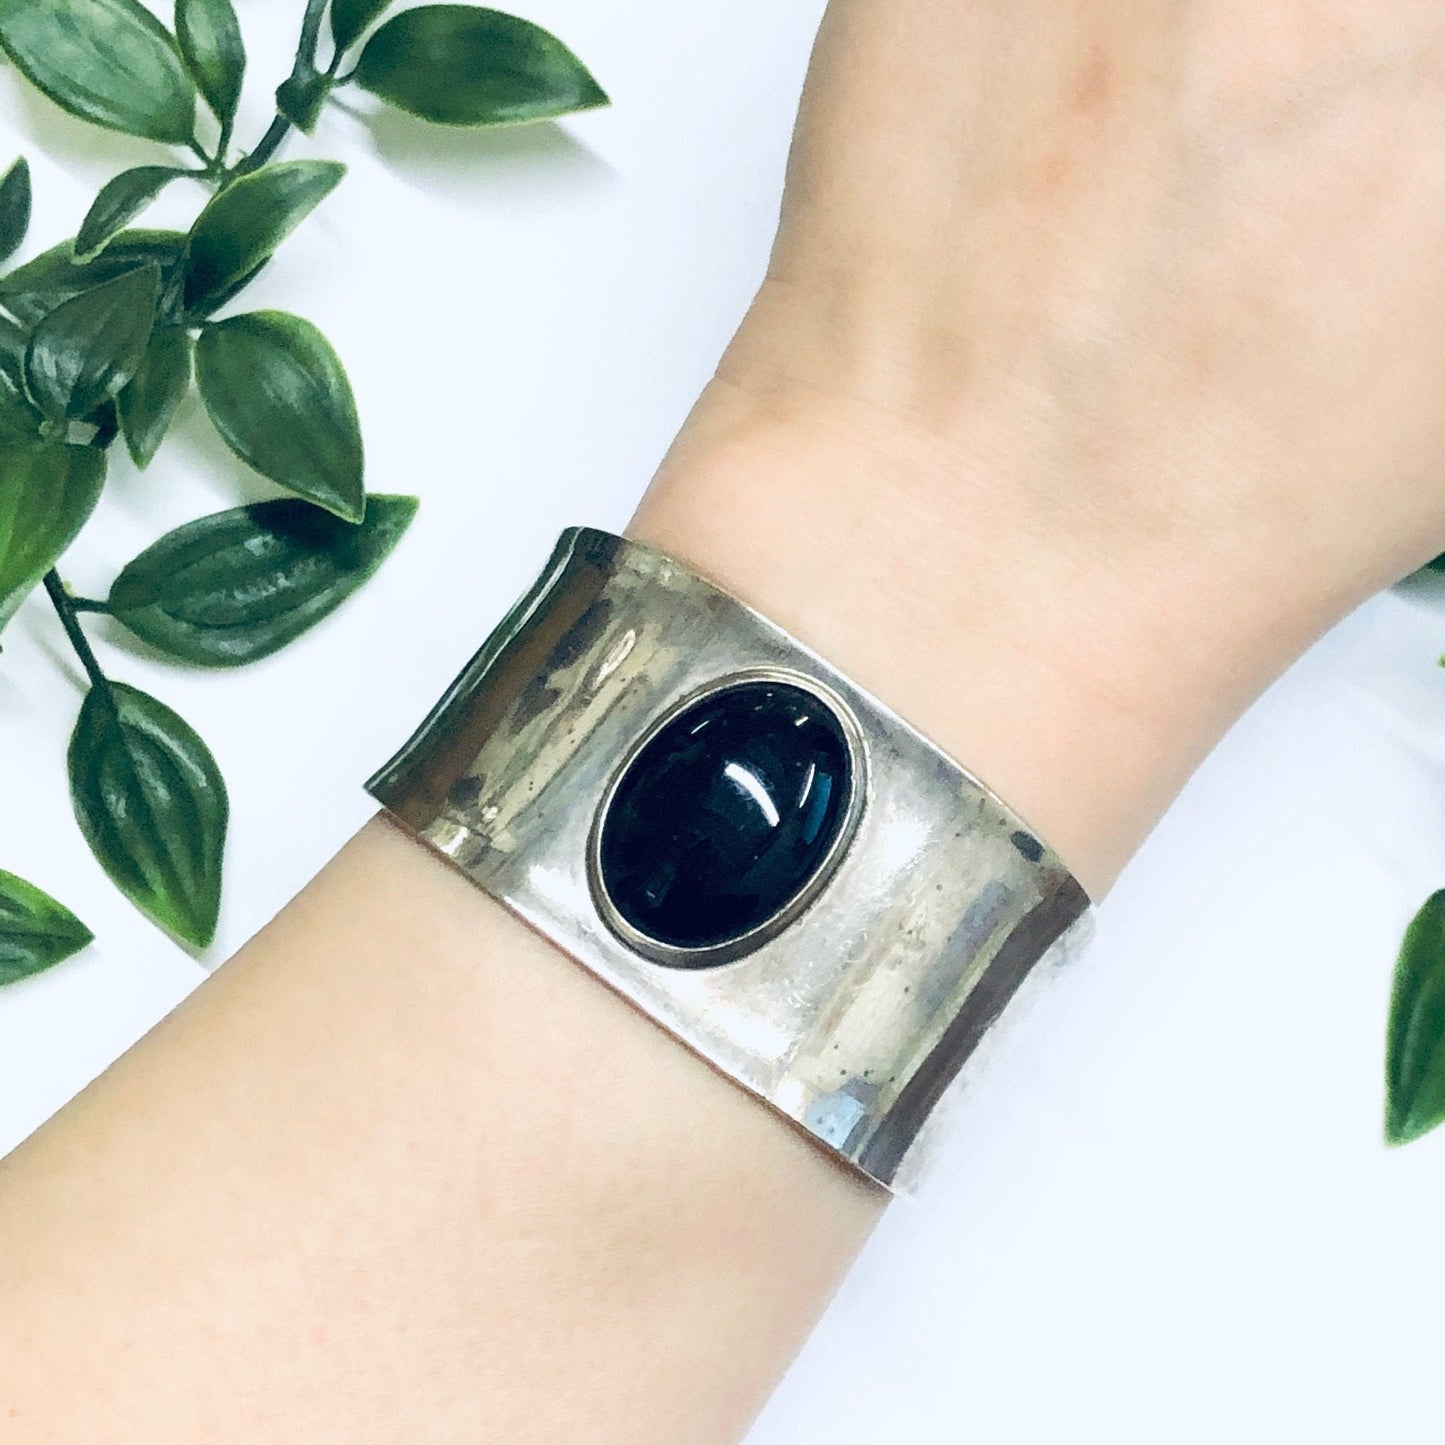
(280, 127)
(65, 609)
(268, 145)
(310, 33)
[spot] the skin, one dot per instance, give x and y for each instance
(1096, 372)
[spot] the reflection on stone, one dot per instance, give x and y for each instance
(725, 816)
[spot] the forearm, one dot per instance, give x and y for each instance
(401, 1170)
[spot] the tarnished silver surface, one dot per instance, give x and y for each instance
(854, 1017)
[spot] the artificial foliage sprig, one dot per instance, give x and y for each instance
(1415, 1033)
(103, 336)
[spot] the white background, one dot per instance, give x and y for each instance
(1165, 1214)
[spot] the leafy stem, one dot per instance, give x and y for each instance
(304, 64)
(66, 610)
(103, 336)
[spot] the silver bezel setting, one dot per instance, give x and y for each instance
(732, 949)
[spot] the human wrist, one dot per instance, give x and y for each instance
(1083, 675)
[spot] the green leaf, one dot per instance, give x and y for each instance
(214, 53)
(13, 340)
(14, 208)
(152, 805)
(350, 17)
(36, 932)
(39, 286)
(90, 346)
(150, 398)
(238, 585)
(1415, 1038)
(19, 421)
(194, 315)
(246, 221)
(46, 493)
(119, 200)
(107, 61)
(279, 396)
(462, 65)
(301, 95)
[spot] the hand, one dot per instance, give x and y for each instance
(1098, 368)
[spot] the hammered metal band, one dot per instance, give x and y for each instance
(853, 1008)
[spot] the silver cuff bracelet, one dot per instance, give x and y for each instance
(754, 851)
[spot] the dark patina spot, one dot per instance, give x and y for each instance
(465, 792)
(533, 700)
(582, 636)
